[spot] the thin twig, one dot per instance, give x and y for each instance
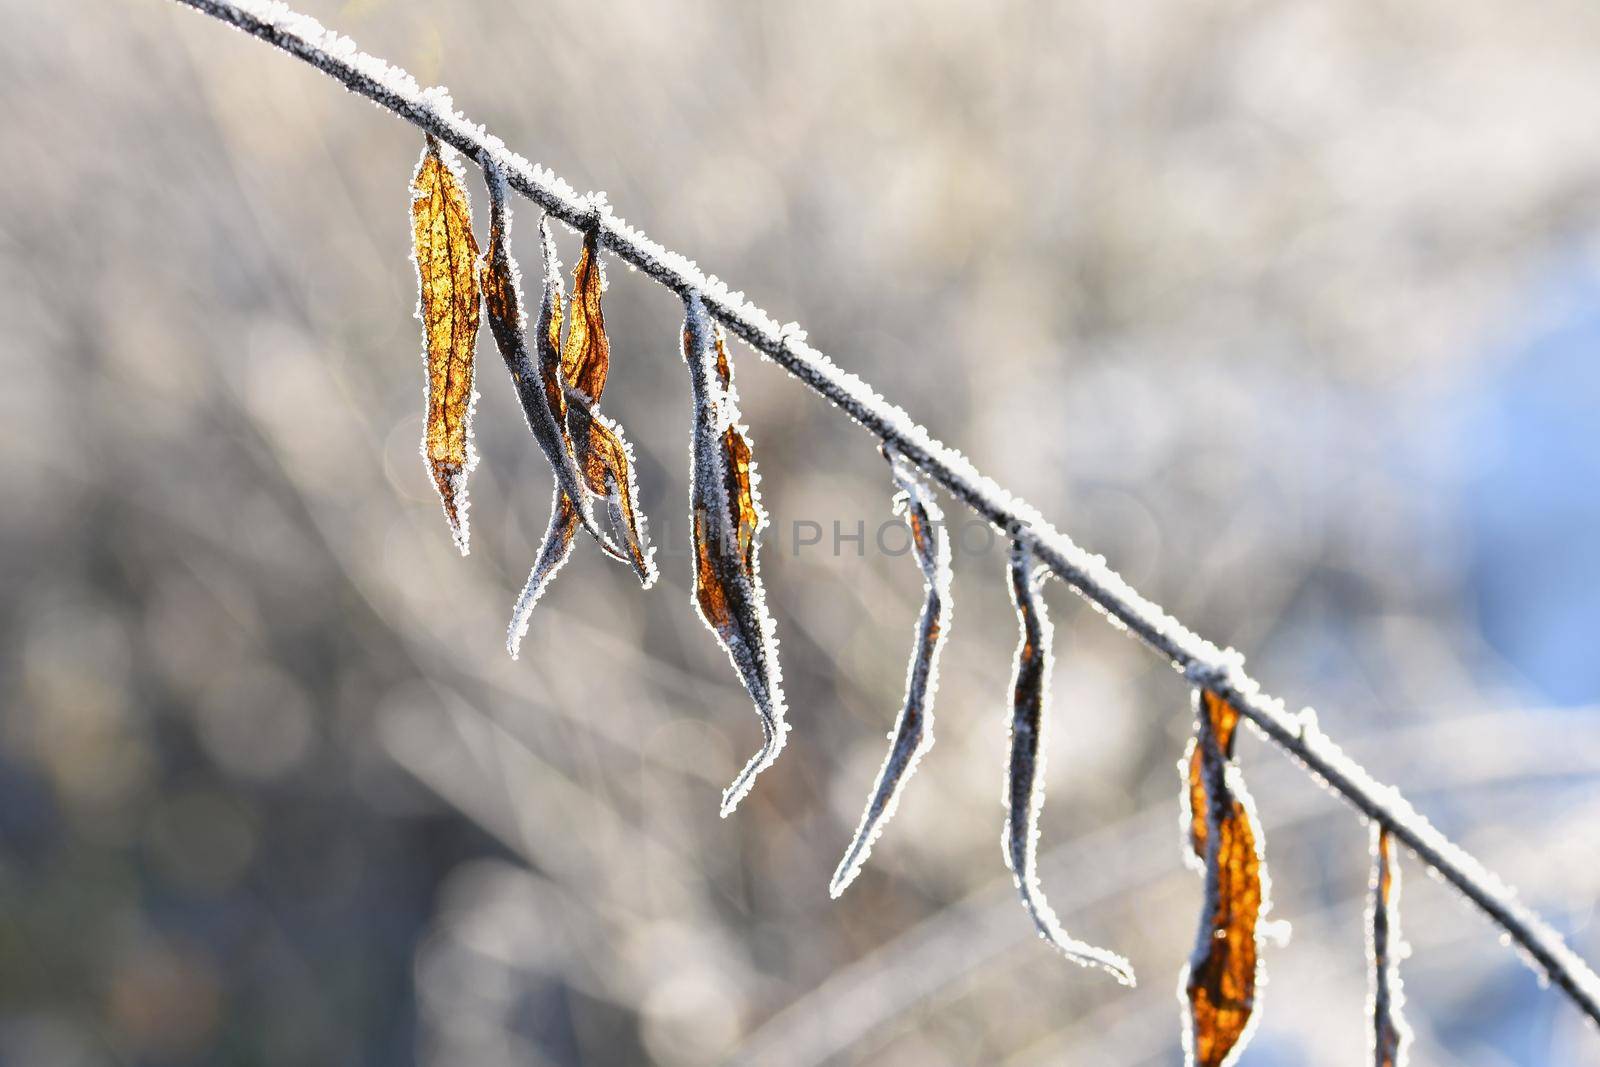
(1201, 662)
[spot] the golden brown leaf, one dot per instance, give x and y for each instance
(446, 256)
(1224, 971)
(586, 356)
(605, 461)
(736, 448)
(727, 520)
(573, 384)
(1390, 1034)
(1224, 717)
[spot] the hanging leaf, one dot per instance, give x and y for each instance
(1390, 1034)
(446, 257)
(727, 519)
(538, 385)
(541, 394)
(604, 458)
(606, 461)
(913, 732)
(1224, 971)
(1223, 718)
(586, 356)
(1024, 791)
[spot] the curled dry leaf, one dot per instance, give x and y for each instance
(1024, 792)
(913, 732)
(586, 356)
(539, 391)
(1224, 971)
(446, 258)
(538, 384)
(604, 458)
(1224, 718)
(727, 519)
(1390, 1034)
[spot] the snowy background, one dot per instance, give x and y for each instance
(1290, 309)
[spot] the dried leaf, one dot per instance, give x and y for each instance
(1391, 1036)
(913, 732)
(446, 257)
(586, 357)
(1224, 970)
(1024, 792)
(727, 520)
(605, 460)
(1224, 718)
(541, 393)
(603, 457)
(538, 385)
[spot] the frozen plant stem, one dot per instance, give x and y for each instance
(1198, 660)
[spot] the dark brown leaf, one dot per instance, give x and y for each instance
(1024, 791)
(913, 733)
(446, 256)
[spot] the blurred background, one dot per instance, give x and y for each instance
(1290, 309)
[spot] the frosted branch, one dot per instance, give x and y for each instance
(1201, 662)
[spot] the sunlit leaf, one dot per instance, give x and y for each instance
(538, 385)
(727, 519)
(547, 342)
(605, 460)
(913, 732)
(446, 258)
(1224, 972)
(603, 457)
(586, 356)
(1223, 717)
(1391, 1036)
(539, 390)
(1024, 791)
